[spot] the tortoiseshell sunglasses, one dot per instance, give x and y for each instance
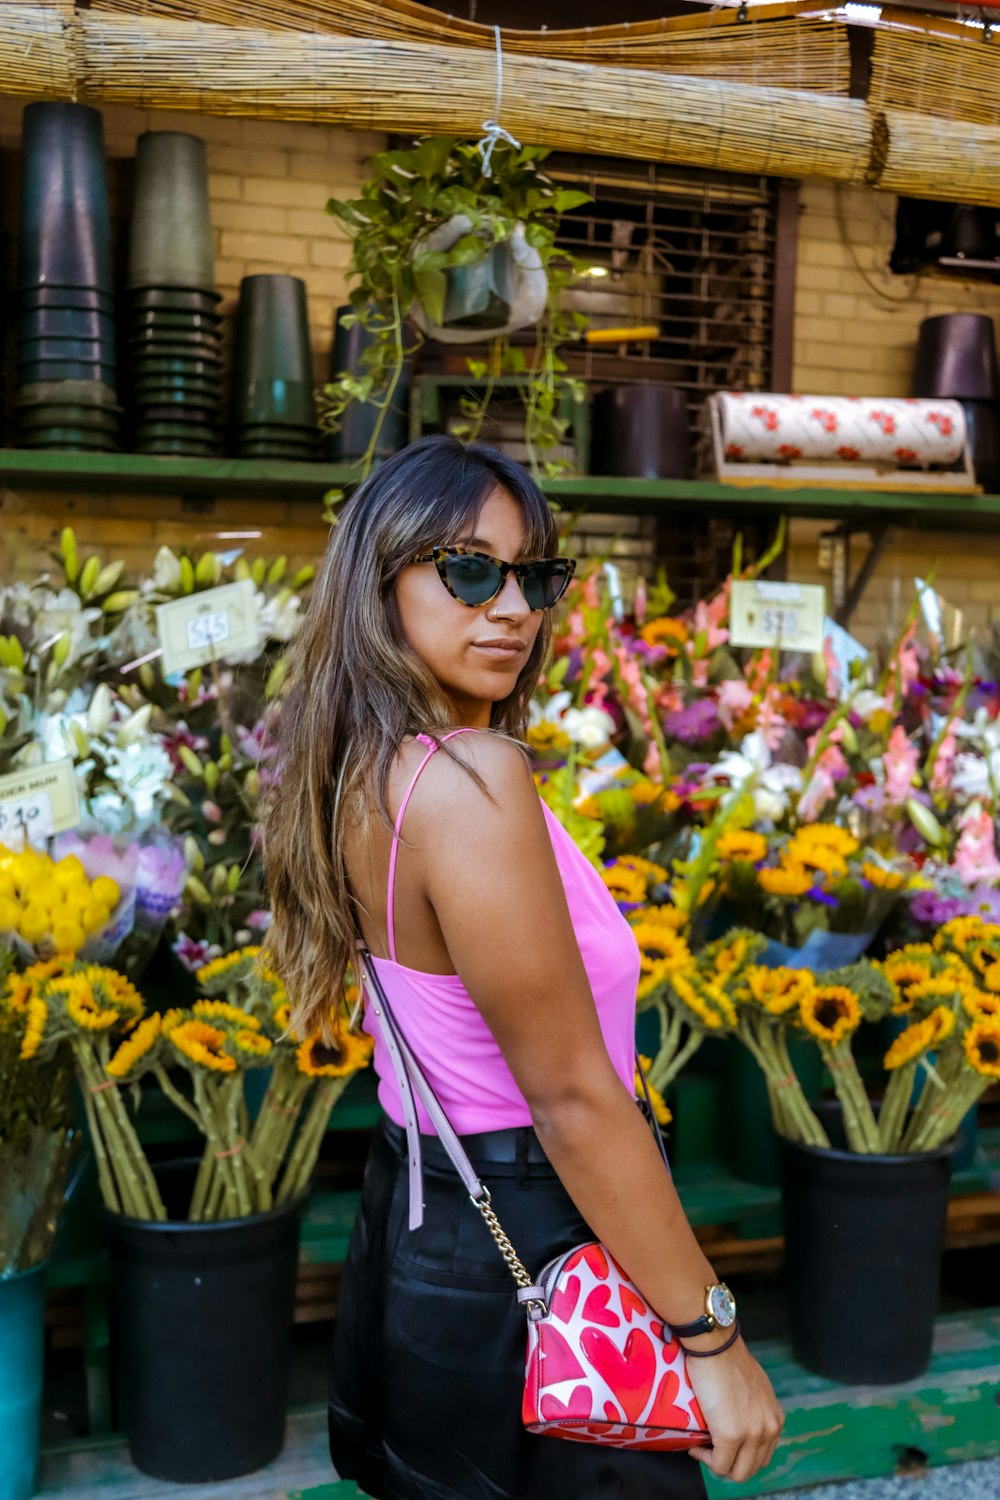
(474, 578)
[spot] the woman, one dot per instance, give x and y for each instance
(405, 809)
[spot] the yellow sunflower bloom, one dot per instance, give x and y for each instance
(883, 879)
(135, 1048)
(202, 1044)
(316, 1060)
(660, 1109)
(17, 992)
(50, 968)
(81, 1005)
(652, 973)
(221, 1011)
(981, 1006)
(546, 738)
(909, 1045)
(789, 880)
(249, 1045)
(982, 1048)
(779, 990)
(830, 1013)
(828, 836)
(665, 632)
(624, 883)
(220, 967)
(959, 932)
(943, 1020)
(34, 1031)
(742, 844)
(660, 916)
(645, 792)
(663, 943)
(655, 874)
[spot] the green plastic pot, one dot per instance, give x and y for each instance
(273, 379)
(65, 225)
(170, 242)
(22, 1343)
(184, 299)
(78, 392)
(478, 295)
(72, 440)
(91, 418)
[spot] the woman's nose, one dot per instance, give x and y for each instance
(510, 602)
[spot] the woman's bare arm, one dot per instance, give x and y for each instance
(489, 871)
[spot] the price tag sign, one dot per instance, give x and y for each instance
(36, 803)
(204, 627)
(788, 616)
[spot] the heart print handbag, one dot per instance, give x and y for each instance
(601, 1366)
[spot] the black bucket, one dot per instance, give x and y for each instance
(203, 1326)
(351, 441)
(640, 432)
(864, 1237)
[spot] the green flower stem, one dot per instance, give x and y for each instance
(120, 1140)
(228, 1102)
(223, 1202)
(206, 1167)
(277, 1119)
(895, 1106)
(302, 1161)
(666, 1069)
(938, 1082)
(944, 1117)
(806, 1120)
(131, 1144)
(105, 1176)
(859, 1121)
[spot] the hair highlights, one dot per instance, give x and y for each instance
(356, 690)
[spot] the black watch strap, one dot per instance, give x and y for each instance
(704, 1324)
(721, 1349)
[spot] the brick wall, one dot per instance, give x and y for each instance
(855, 335)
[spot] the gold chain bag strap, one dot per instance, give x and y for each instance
(600, 1366)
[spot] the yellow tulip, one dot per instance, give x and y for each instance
(10, 914)
(34, 923)
(107, 891)
(69, 871)
(94, 916)
(68, 936)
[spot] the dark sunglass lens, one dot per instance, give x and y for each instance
(474, 579)
(544, 584)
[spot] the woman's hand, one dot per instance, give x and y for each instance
(741, 1412)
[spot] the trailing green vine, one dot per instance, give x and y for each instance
(409, 194)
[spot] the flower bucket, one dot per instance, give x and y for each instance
(22, 1325)
(864, 1237)
(203, 1315)
(753, 1142)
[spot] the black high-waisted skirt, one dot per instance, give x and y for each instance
(429, 1342)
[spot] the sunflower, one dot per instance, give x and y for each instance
(136, 1047)
(34, 1031)
(779, 990)
(248, 1046)
(655, 874)
(316, 1060)
(221, 1011)
(219, 967)
(202, 1044)
(826, 836)
(879, 876)
(644, 792)
(546, 738)
(624, 883)
(81, 1004)
(742, 844)
(17, 992)
(665, 632)
(48, 969)
(943, 1021)
(987, 962)
(662, 943)
(116, 988)
(708, 1002)
(788, 880)
(660, 916)
(652, 973)
(660, 1110)
(909, 1045)
(982, 1048)
(830, 1013)
(959, 932)
(981, 1006)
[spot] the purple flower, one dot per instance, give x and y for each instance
(817, 893)
(699, 721)
(927, 907)
(259, 920)
(871, 798)
(192, 954)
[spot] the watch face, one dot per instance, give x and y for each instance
(722, 1305)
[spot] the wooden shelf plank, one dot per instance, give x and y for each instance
(144, 474)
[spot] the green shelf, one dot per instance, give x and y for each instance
(221, 477)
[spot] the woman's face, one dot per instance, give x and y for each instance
(476, 654)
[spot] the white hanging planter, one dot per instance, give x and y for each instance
(504, 291)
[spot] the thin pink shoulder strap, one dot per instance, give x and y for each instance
(424, 740)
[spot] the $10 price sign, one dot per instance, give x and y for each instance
(36, 803)
(204, 627)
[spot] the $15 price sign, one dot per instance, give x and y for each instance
(204, 627)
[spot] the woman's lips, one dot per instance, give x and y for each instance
(501, 650)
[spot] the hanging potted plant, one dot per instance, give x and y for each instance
(204, 1253)
(441, 250)
(860, 1178)
(36, 1116)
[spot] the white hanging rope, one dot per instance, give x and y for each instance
(494, 130)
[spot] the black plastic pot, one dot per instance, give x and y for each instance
(358, 422)
(982, 420)
(640, 432)
(43, 371)
(864, 1236)
(479, 295)
(67, 323)
(68, 297)
(957, 358)
(187, 299)
(203, 1323)
(60, 347)
(170, 242)
(65, 224)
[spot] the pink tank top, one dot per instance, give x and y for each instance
(442, 1024)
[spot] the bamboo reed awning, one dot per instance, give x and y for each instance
(154, 63)
(790, 44)
(37, 56)
(936, 67)
(926, 157)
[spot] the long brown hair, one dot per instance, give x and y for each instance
(357, 689)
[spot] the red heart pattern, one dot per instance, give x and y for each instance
(595, 1377)
(629, 1373)
(631, 1303)
(596, 1308)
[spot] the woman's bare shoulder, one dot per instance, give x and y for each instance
(502, 768)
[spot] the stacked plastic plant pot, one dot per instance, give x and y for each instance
(351, 442)
(66, 352)
(274, 411)
(174, 328)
